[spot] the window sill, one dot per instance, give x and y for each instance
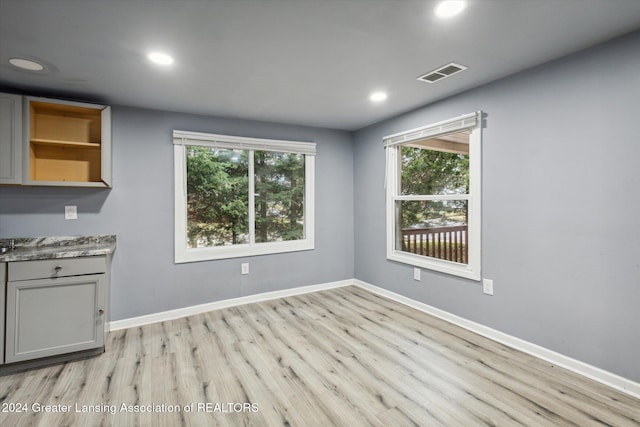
(183, 255)
(448, 267)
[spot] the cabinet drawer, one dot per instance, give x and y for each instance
(51, 268)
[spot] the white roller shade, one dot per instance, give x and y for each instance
(458, 124)
(242, 143)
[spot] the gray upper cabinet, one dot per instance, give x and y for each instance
(66, 143)
(10, 139)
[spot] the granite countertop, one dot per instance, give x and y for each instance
(34, 248)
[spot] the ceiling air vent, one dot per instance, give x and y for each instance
(442, 72)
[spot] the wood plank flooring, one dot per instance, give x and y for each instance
(341, 357)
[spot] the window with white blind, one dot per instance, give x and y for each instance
(237, 196)
(433, 176)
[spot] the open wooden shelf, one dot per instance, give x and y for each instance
(64, 164)
(69, 144)
(66, 142)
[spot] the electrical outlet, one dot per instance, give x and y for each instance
(245, 268)
(70, 212)
(416, 274)
(487, 286)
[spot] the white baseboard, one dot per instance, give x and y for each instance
(612, 380)
(163, 316)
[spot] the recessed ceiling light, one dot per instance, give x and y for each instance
(160, 58)
(378, 96)
(449, 8)
(26, 64)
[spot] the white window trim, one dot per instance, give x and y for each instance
(471, 122)
(184, 254)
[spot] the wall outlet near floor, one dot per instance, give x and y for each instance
(70, 212)
(244, 268)
(416, 274)
(487, 286)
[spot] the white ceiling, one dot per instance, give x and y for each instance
(310, 62)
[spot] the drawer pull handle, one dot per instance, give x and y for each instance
(101, 312)
(57, 268)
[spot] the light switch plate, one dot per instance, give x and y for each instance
(244, 268)
(416, 274)
(70, 212)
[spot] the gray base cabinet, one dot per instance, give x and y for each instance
(3, 274)
(54, 307)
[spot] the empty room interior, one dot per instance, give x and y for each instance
(317, 213)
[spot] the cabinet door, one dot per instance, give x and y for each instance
(10, 139)
(3, 283)
(106, 146)
(53, 316)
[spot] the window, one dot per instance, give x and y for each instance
(238, 196)
(433, 196)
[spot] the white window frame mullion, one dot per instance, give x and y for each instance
(309, 199)
(180, 205)
(252, 198)
(474, 229)
(392, 194)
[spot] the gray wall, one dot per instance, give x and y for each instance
(139, 210)
(561, 200)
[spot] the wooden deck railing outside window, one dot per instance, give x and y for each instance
(448, 243)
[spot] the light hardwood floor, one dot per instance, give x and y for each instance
(343, 357)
